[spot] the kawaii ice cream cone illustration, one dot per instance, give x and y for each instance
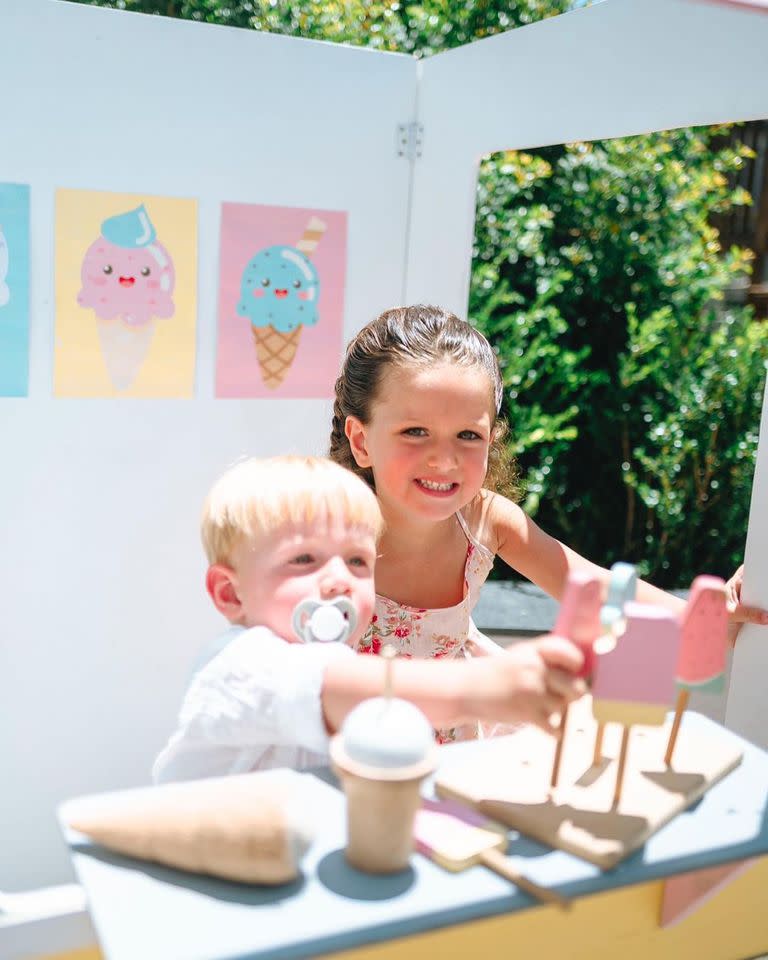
(279, 293)
(5, 293)
(128, 280)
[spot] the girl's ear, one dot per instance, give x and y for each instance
(355, 431)
(221, 584)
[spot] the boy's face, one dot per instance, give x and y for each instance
(299, 562)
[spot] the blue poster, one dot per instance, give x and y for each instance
(14, 289)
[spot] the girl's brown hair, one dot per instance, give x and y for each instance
(415, 336)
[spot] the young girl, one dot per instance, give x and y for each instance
(416, 416)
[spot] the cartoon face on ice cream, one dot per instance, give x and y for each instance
(5, 293)
(279, 289)
(279, 292)
(127, 279)
(126, 273)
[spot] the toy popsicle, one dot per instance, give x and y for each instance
(579, 622)
(635, 682)
(703, 644)
(456, 837)
(622, 587)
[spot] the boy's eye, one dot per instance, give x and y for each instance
(469, 435)
(303, 558)
(415, 432)
(358, 562)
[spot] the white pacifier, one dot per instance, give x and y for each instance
(622, 587)
(324, 621)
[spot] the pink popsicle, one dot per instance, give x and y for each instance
(704, 629)
(579, 616)
(635, 681)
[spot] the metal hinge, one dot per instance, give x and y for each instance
(409, 139)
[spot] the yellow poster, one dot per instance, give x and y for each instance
(126, 295)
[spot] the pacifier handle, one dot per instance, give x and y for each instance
(324, 621)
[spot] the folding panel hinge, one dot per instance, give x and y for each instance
(409, 140)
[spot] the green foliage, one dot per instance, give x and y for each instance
(633, 393)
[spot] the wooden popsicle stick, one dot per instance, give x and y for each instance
(621, 765)
(598, 754)
(682, 702)
(497, 861)
(558, 751)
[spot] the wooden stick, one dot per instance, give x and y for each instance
(682, 703)
(501, 864)
(388, 654)
(621, 765)
(559, 750)
(598, 754)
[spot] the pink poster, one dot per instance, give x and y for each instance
(281, 301)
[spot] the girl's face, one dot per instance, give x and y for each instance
(428, 438)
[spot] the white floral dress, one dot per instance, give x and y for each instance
(442, 632)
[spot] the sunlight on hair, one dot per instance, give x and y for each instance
(257, 496)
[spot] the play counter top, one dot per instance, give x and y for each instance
(141, 910)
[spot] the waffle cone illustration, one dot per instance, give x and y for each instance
(124, 349)
(279, 294)
(275, 352)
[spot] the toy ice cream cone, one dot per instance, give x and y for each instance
(385, 749)
(124, 348)
(279, 293)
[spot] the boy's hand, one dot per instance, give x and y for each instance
(738, 612)
(532, 681)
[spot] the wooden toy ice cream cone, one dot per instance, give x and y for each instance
(383, 753)
(249, 828)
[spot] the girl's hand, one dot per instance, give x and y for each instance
(738, 612)
(531, 681)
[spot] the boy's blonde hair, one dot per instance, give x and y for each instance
(257, 496)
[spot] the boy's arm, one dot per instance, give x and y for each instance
(531, 682)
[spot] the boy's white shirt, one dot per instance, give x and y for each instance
(253, 703)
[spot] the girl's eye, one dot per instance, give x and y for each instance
(415, 432)
(265, 282)
(297, 283)
(303, 558)
(145, 271)
(469, 435)
(358, 562)
(107, 269)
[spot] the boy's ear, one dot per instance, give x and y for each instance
(355, 431)
(221, 584)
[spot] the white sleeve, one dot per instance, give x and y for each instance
(261, 690)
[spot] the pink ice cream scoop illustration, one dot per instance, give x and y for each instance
(127, 280)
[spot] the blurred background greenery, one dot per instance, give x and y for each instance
(614, 279)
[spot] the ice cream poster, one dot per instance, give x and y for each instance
(14, 289)
(281, 301)
(126, 289)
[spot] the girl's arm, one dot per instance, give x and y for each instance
(545, 561)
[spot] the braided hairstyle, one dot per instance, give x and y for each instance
(415, 336)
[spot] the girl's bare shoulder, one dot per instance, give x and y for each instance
(493, 519)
